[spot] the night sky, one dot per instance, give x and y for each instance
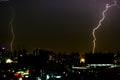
(60, 25)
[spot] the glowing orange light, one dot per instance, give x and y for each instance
(82, 60)
(20, 78)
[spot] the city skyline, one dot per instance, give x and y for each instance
(62, 26)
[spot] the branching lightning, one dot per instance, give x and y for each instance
(100, 23)
(12, 32)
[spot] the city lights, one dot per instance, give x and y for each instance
(9, 61)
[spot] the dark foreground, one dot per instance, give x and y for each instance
(57, 72)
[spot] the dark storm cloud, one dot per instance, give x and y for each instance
(54, 23)
(3, 0)
(62, 24)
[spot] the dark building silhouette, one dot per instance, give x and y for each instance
(99, 58)
(22, 56)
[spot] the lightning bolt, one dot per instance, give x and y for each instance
(12, 32)
(108, 6)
